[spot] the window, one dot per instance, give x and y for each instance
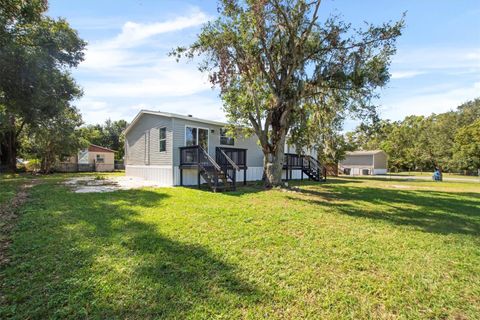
(162, 139)
(196, 136)
(203, 138)
(99, 158)
(83, 156)
(224, 139)
(190, 136)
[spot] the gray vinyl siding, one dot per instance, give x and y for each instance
(142, 142)
(254, 153)
(357, 160)
(381, 160)
(135, 150)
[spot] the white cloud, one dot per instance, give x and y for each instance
(168, 78)
(119, 51)
(426, 104)
(410, 63)
(198, 106)
(406, 74)
(97, 111)
(133, 34)
(429, 59)
(129, 72)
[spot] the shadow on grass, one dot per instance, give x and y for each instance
(97, 259)
(258, 186)
(241, 189)
(430, 211)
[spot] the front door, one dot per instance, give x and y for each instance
(203, 138)
(196, 137)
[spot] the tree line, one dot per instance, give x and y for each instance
(449, 141)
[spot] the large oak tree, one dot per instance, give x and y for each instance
(276, 61)
(36, 53)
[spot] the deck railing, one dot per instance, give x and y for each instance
(189, 155)
(293, 161)
(231, 160)
(196, 156)
(237, 155)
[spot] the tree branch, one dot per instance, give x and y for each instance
(17, 134)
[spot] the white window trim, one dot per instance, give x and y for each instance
(196, 127)
(160, 128)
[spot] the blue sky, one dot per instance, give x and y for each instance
(436, 68)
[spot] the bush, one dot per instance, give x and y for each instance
(32, 165)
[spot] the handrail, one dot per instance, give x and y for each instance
(210, 159)
(318, 166)
(232, 163)
(237, 155)
(313, 161)
(232, 148)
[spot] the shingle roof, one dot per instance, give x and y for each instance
(172, 115)
(364, 152)
(95, 148)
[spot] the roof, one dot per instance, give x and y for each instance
(364, 152)
(95, 148)
(172, 115)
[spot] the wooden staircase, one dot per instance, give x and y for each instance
(313, 169)
(216, 177)
(219, 174)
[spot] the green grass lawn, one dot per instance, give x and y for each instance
(348, 248)
(429, 174)
(9, 184)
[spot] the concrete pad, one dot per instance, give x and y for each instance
(107, 184)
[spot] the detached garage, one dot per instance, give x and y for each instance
(365, 162)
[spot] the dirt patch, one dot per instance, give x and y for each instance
(107, 184)
(8, 218)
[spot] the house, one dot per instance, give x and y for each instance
(368, 162)
(93, 158)
(176, 150)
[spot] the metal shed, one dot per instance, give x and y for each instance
(364, 162)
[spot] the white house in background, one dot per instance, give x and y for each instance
(368, 162)
(174, 150)
(103, 159)
(93, 158)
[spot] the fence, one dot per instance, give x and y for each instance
(332, 169)
(119, 165)
(83, 167)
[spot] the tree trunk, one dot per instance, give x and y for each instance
(273, 144)
(9, 148)
(47, 161)
(273, 164)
